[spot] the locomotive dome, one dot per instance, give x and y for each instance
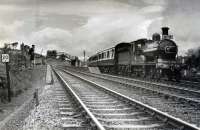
(156, 37)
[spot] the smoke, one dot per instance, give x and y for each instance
(182, 16)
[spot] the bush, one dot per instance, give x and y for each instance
(18, 92)
(3, 95)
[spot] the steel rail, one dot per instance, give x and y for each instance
(153, 83)
(92, 117)
(140, 86)
(190, 81)
(148, 82)
(157, 113)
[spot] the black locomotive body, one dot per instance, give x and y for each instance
(155, 58)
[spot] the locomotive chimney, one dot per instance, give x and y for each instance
(165, 30)
(165, 34)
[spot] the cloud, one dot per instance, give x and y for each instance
(52, 38)
(74, 26)
(10, 32)
(155, 2)
(92, 25)
(182, 16)
(105, 31)
(98, 33)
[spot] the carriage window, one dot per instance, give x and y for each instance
(95, 58)
(99, 56)
(112, 53)
(139, 46)
(108, 54)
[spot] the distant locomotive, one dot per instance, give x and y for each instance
(154, 58)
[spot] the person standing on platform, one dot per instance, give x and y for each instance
(32, 55)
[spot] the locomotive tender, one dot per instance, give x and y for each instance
(155, 58)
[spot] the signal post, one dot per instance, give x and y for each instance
(6, 59)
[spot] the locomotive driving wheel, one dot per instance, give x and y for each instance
(158, 74)
(169, 74)
(177, 74)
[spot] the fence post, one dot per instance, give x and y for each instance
(36, 97)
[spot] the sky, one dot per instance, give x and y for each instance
(92, 25)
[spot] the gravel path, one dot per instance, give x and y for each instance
(55, 111)
(45, 115)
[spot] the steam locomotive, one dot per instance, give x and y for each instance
(150, 58)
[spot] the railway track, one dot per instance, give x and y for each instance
(112, 110)
(182, 84)
(69, 112)
(191, 84)
(189, 94)
(184, 108)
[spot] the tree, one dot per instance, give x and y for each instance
(193, 60)
(62, 57)
(51, 54)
